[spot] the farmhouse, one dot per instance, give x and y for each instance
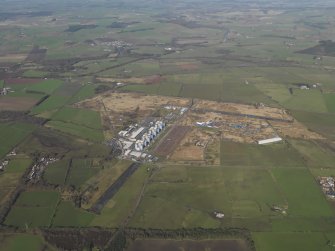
(4, 91)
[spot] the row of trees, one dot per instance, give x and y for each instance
(119, 241)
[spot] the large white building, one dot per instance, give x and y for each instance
(268, 141)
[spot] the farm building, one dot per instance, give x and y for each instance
(268, 141)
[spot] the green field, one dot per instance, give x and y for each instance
(280, 154)
(18, 165)
(245, 197)
(28, 242)
(314, 155)
(56, 172)
(83, 117)
(69, 216)
(85, 92)
(120, 206)
(80, 171)
(300, 189)
(212, 86)
(300, 100)
(51, 103)
(330, 102)
(95, 135)
(11, 134)
(291, 241)
(37, 199)
(34, 74)
(33, 209)
(11, 176)
(323, 123)
(58, 53)
(46, 86)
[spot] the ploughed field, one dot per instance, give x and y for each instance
(188, 245)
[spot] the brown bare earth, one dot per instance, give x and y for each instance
(192, 147)
(230, 121)
(118, 108)
(235, 128)
(16, 103)
(154, 79)
(36, 55)
(258, 123)
(169, 143)
(127, 102)
(265, 111)
(188, 66)
(133, 80)
(191, 41)
(10, 81)
(12, 57)
(189, 245)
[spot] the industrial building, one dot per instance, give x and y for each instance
(136, 138)
(268, 141)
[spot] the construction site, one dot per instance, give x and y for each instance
(192, 128)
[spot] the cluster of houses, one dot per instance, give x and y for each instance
(4, 91)
(38, 168)
(3, 164)
(218, 215)
(308, 86)
(328, 186)
(138, 137)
